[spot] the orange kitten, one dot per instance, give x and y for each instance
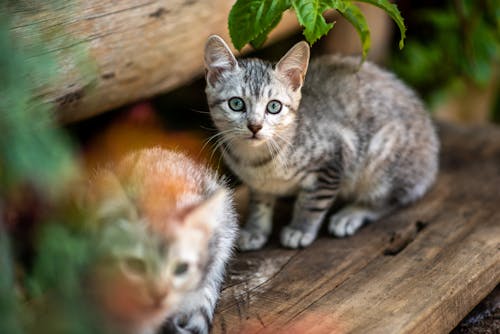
(166, 227)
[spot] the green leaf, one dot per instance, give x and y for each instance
(252, 20)
(310, 15)
(393, 11)
(259, 40)
(353, 14)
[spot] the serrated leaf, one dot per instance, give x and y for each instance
(354, 15)
(260, 40)
(310, 15)
(252, 20)
(393, 11)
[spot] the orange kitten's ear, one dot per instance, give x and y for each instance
(206, 215)
(293, 66)
(107, 198)
(218, 59)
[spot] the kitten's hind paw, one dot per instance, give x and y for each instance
(348, 220)
(295, 238)
(251, 240)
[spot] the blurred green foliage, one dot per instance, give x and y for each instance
(10, 313)
(458, 44)
(32, 148)
(56, 284)
(34, 151)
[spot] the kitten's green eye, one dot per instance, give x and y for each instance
(135, 265)
(274, 107)
(181, 268)
(236, 104)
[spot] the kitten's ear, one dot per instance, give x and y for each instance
(293, 66)
(218, 59)
(107, 198)
(206, 215)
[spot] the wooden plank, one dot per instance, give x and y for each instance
(426, 289)
(115, 52)
(418, 271)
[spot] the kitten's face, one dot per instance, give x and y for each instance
(148, 260)
(141, 275)
(252, 102)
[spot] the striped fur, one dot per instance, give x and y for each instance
(348, 131)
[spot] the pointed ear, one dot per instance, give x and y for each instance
(205, 216)
(107, 198)
(293, 66)
(218, 59)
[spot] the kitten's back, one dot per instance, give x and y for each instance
(364, 93)
(164, 178)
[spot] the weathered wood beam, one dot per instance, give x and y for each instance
(111, 53)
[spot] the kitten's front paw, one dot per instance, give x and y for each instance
(292, 237)
(346, 222)
(251, 240)
(194, 323)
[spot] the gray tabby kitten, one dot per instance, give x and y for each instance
(343, 131)
(166, 230)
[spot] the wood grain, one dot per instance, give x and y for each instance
(110, 53)
(420, 270)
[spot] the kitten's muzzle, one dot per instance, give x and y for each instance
(158, 296)
(254, 128)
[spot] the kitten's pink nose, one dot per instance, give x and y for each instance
(158, 293)
(254, 127)
(159, 296)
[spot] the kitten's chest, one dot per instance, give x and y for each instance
(274, 177)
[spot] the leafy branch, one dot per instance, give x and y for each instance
(251, 21)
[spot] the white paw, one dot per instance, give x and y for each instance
(294, 238)
(251, 240)
(187, 324)
(347, 222)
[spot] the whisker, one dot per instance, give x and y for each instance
(273, 150)
(281, 150)
(217, 145)
(224, 150)
(200, 111)
(207, 128)
(269, 148)
(222, 138)
(283, 161)
(215, 136)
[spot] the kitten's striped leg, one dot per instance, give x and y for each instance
(258, 227)
(310, 209)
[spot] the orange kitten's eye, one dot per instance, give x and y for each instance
(135, 265)
(181, 268)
